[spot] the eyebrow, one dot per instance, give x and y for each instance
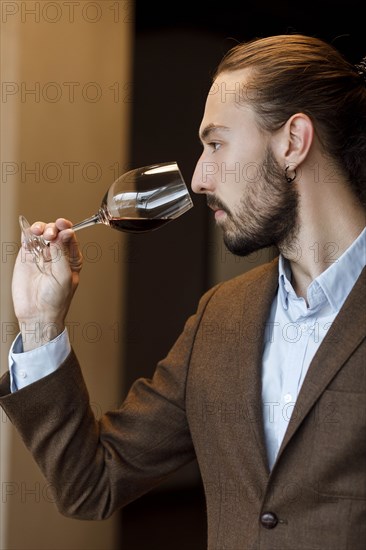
(210, 129)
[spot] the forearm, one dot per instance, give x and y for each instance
(96, 467)
(54, 419)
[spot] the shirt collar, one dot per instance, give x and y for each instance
(335, 282)
(284, 284)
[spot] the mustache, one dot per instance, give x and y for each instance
(216, 204)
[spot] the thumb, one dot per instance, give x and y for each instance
(63, 255)
(70, 249)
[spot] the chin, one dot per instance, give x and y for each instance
(241, 247)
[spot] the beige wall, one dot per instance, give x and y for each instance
(66, 82)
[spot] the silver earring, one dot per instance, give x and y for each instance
(288, 178)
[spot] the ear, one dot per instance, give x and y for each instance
(292, 142)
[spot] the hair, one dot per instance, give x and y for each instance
(298, 73)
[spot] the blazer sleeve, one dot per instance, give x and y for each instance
(95, 467)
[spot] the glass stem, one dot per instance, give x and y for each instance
(87, 222)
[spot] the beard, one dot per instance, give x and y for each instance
(267, 214)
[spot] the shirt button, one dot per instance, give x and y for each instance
(304, 327)
(287, 398)
(22, 374)
(269, 520)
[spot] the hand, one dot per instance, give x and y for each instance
(42, 300)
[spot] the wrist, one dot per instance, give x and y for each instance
(38, 333)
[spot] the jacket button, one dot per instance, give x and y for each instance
(269, 520)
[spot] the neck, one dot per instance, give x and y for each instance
(325, 230)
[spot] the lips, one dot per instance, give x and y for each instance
(216, 205)
(219, 214)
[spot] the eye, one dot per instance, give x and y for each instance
(214, 145)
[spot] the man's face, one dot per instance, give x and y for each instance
(245, 186)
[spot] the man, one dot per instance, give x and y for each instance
(266, 386)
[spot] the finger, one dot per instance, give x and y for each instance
(63, 223)
(38, 228)
(51, 230)
(48, 230)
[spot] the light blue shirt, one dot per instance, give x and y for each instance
(294, 333)
(30, 366)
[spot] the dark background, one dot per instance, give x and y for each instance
(177, 47)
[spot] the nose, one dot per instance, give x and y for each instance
(202, 179)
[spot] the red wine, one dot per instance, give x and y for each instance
(137, 225)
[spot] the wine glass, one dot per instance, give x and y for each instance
(140, 200)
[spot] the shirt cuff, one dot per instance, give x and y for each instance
(30, 366)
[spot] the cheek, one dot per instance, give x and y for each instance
(233, 194)
(239, 167)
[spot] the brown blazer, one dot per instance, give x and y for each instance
(204, 402)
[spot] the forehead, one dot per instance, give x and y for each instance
(224, 103)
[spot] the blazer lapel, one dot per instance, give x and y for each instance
(256, 314)
(346, 333)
